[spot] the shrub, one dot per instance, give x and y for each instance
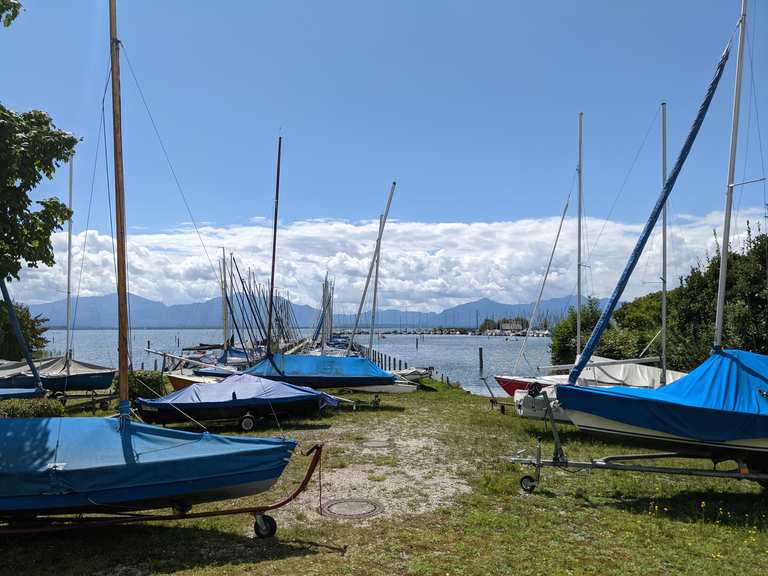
(30, 408)
(145, 384)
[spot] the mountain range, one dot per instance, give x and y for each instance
(100, 312)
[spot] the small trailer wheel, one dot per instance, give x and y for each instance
(264, 526)
(247, 423)
(103, 404)
(61, 397)
(528, 484)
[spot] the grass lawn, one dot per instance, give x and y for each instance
(452, 505)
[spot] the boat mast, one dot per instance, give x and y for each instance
(663, 379)
(370, 269)
(274, 249)
(721, 285)
(67, 353)
(578, 243)
(224, 314)
(375, 288)
(117, 138)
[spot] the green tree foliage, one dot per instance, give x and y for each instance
(31, 147)
(487, 324)
(691, 314)
(9, 10)
(564, 333)
(32, 327)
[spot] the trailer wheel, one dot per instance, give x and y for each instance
(103, 404)
(61, 397)
(528, 484)
(247, 423)
(264, 526)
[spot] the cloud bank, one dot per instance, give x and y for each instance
(424, 266)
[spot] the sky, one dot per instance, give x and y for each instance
(470, 106)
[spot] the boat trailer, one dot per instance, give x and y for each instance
(621, 462)
(264, 526)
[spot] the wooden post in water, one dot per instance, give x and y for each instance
(400, 364)
(480, 352)
(417, 342)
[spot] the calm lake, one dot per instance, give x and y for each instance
(455, 356)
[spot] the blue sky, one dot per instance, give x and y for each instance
(471, 106)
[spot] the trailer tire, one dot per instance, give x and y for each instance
(264, 526)
(247, 423)
(528, 484)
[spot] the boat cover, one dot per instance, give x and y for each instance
(725, 398)
(65, 463)
(240, 389)
(54, 375)
(340, 371)
(8, 393)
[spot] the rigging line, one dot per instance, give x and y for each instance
(624, 183)
(90, 200)
(535, 310)
(168, 159)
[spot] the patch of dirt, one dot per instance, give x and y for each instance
(413, 475)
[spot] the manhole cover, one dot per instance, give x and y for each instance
(376, 444)
(352, 508)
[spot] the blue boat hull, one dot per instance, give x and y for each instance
(68, 465)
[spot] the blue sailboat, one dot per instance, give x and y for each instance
(242, 397)
(720, 409)
(111, 465)
(322, 371)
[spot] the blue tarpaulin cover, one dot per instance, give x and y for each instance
(241, 389)
(8, 393)
(724, 399)
(313, 370)
(63, 463)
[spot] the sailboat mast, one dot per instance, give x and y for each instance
(69, 272)
(117, 137)
(274, 248)
(375, 289)
(578, 243)
(663, 379)
(721, 285)
(224, 311)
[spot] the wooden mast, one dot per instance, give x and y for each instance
(117, 138)
(274, 248)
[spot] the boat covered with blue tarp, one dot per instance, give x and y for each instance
(322, 371)
(233, 398)
(56, 465)
(720, 407)
(58, 374)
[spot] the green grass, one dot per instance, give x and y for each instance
(599, 522)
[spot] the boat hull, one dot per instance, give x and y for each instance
(233, 410)
(98, 465)
(511, 384)
(698, 431)
(319, 382)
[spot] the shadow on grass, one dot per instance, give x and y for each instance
(159, 548)
(745, 509)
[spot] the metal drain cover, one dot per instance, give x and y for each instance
(352, 508)
(376, 444)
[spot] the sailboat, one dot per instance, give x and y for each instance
(318, 371)
(58, 374)
(720, 409)
(599, 371)
(52, 466)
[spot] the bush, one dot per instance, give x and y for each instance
(30, 408)
(145, 384)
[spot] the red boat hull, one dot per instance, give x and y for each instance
(512, 383)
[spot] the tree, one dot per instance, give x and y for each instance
(32, 327)
(9, 10)
(487, 324)
(563, 345)
(31, 147)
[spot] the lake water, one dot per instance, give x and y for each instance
(455, 356)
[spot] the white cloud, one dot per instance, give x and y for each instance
(425, 266)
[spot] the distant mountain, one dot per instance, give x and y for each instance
(101, 312)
